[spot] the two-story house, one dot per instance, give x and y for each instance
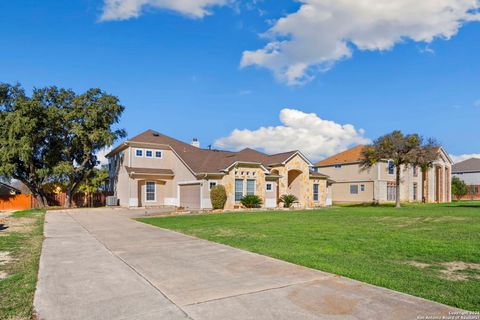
(352, 184)
(469, 172)
(152, 169)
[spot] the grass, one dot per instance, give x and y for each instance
(23, 241)
(402, 249)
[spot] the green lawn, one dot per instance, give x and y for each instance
(20, 247)
(430, 251)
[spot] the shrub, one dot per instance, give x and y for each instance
(218, 197)
(251, 201)
(288, 200)
(459, 188)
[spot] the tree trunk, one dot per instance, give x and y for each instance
(41, 200)
(424, 180)
(397, 182)
(68, 198)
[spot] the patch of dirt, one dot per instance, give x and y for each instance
(417, 264)
(222, 232)
(455, 271)
(5, 258)
(17, 225)
(3, 275)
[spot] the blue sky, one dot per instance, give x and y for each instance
(184, 72)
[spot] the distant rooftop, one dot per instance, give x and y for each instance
(470, 165)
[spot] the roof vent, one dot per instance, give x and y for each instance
(195, 143)
(156, 134)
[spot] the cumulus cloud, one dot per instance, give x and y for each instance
(127, 9)
(323, 32)
(315, 137)
(101, 156)
(464, 157)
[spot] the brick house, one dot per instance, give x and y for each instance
(469, 172)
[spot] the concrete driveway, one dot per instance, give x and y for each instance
(100, 264)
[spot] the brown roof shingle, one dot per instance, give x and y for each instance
(210, 161)
(349, 156)
(470, 165)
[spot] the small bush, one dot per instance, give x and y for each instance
(288, 200)
(218, 197)
(251, 201)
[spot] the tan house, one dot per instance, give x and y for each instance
(354, 185)
(152, 169)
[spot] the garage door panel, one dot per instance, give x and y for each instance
(190, 196)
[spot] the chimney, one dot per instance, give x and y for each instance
(195, 143)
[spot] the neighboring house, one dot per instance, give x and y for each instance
(469, 172)
(377, 184)
(152, 169)
(6, 190)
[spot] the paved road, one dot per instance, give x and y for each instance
(100, 264)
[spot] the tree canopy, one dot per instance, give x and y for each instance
(402, 150)
(54, 135)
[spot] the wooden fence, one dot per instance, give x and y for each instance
(17, 202)
(27, 201)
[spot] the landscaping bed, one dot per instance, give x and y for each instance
(21, 237)
(430, 251)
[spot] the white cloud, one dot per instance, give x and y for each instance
(307, 132)
(101, 156)
(127, 9)
(323, 32)
(464, 157)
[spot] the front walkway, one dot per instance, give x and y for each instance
(100, 264)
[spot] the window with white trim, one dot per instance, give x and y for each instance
(138, 152)
(269, 186)
(212, 184)
(150, 191)
(238, 189)
(250, 186)
(149, 153)
(158, 154)
(362, 187)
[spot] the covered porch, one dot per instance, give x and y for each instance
(149, 187)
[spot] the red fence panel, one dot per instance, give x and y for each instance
(80, 200)
(16, 202)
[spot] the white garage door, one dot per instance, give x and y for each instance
(190, 196)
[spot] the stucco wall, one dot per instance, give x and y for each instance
(341, 192)
(130, 191)
(470, 178)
